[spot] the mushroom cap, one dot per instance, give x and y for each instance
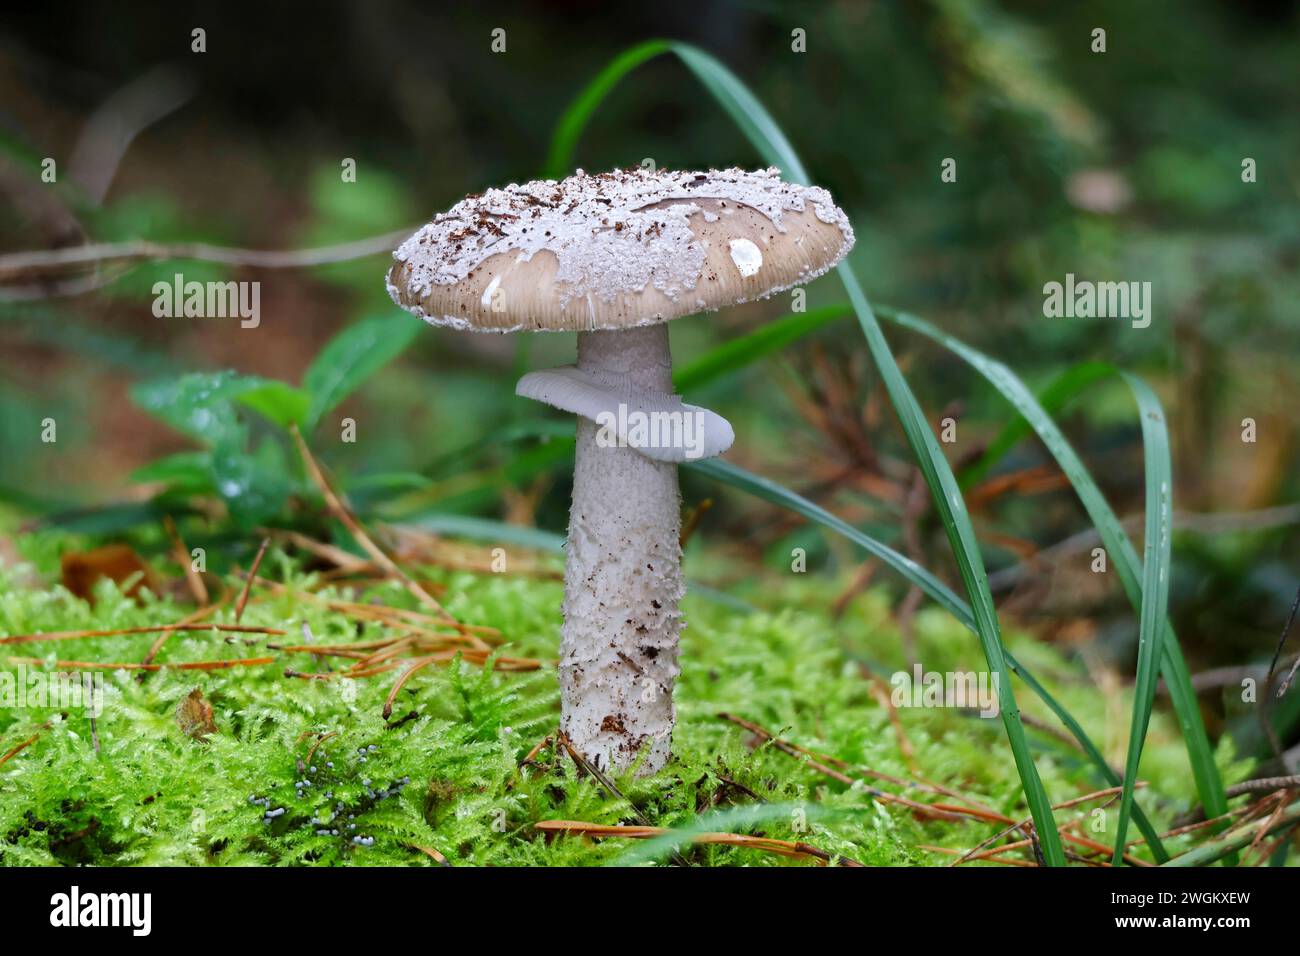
(616, 250)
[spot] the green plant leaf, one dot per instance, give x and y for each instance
(737, 353)
(1155, 586)
(569, 129)
(254, 482)
(351, 357)
(197, 403)
(277, 401)
(188, 472)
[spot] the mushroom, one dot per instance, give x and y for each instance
(614, 257)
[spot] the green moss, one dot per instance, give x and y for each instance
(152, 795)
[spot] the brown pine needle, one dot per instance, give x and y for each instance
(880, 690)
(788, 848)
(949, 851)
(319, 740)
(250, 578)
(937, 811)
(342, 560)
(15, 751)
(125, 631)
(693, 521)
(192, 618)
(385, 614)
(401, 681)
(134, 666)
(182, 553)
(430, 852)
(340, 511)
(384, 653)
(537, 748)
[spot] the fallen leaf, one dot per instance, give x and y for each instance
(117, 562)
(194, 716)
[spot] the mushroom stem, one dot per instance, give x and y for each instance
(622, 578)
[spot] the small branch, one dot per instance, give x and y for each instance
(55, 262)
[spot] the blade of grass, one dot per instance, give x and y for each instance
(574, 121)
(760, 487)
(737, 353)
(1061, 389)
(1209, 784)
(1155, 586)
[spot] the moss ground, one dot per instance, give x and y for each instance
(448, 777)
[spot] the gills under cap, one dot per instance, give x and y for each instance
(616, 250)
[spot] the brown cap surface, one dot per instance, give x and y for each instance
(616, 250)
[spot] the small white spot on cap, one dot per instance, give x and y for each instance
(490, 291)
(746, 257)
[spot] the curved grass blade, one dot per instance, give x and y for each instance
(1059, 391)
(1209, 785)
(779, 495)
(735, 354)
(1155, 586)
(574, 120)
(760, 487)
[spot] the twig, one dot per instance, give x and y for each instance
(41, 263)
